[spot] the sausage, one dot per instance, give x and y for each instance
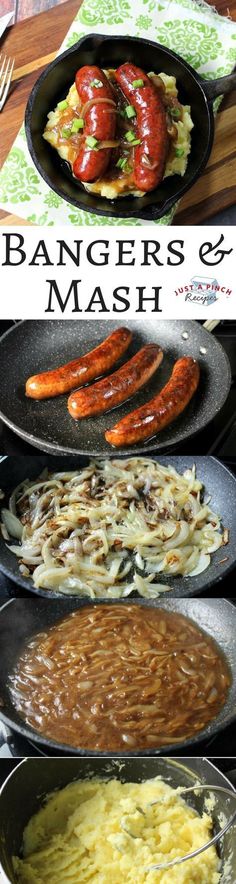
(100, 121)
(148, 420)
(81, 370)
(150, 156)
(118, 387)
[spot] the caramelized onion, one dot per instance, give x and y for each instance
(94, 101)
(147, 162)
(104, 144)
(158, 82)
(171, 128)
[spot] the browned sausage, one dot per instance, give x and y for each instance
(150, 155)
(78, 372)
(149, 419)
(100, 122)
(118, 387)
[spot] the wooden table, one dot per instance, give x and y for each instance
(34, 43)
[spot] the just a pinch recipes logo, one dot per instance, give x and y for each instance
(203, 290)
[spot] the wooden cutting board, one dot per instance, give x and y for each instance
(34, 43)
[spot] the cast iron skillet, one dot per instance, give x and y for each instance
(218, 481)
(53, 85)
(32, 347)
(33, 779)
(21, 619)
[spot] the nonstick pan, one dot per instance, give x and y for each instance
(33, 779)
(31, 347)
(105, 51)
(21, 619)
(218, 482)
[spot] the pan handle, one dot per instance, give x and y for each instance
(214, 88)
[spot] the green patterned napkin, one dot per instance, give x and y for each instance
(190, 27)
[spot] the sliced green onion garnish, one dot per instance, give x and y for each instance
(97, 83)
(137, 83)
(175, 113)
(179, 151)
(121, 163)
(130, 136)
(130, 112)
(66, 133)
(136, 141)
(77, 124)
(62, 105)
(91, 141)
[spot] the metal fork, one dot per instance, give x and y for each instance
(6, 71)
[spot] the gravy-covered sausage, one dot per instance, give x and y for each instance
(99, 122)
(81, 370)
(149, 419)
(118, 387)
(150, 155)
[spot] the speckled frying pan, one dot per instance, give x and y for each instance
(31, 347)
(218, 482)
(21, 619)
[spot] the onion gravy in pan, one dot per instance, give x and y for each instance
(120, 677)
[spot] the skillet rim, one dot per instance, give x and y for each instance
(151, 213)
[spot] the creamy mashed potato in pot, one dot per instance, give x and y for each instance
(108, 832)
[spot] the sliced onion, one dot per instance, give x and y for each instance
(203, 563)
(215, 544)
(94, 101)
(12, 524)
(158, 82)
(147, 162)
(172, 130)
(104, 144)
(182, 533)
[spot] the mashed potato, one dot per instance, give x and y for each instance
(178, 154)
(107, 832)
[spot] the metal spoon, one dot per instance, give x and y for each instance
(183, 859)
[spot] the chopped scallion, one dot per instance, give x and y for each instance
(62, 105)
(97, 83)
(130, 136)
(91, 141)
(66, 133)
(136, 141)
(175, 113)
(130, 112)
(179, 152)
(137, 83)
(77, 124)
(121, 163)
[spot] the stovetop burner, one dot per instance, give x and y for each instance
(218, 438)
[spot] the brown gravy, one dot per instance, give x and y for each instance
(119, 677)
